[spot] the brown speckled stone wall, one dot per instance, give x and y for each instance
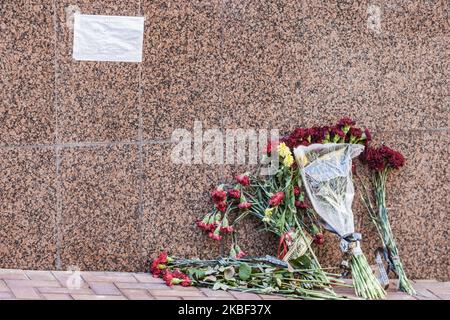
(85, 173)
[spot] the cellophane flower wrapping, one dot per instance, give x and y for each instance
(326, 171)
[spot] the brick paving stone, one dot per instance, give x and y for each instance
(96, 277)
(156, 286)
(271, 297)
(176, 293)
(216, 293)
(64, 290)
(439, 291)
(137, 294)
(32, 283)
(399, 296)
(12, 274)
(425, 281)
(57, 296)
(168, 298)
(245, 295)
(24, 292)
(104, 288)
(146, 278)
(208, 298)
(40, 275)
(96, 297)
(425, 295)
(3, 286)
(37, 284)
(70, 279)
(6, 295)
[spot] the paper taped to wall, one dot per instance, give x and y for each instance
(108, 38)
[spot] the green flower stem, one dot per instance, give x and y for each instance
(380, 219)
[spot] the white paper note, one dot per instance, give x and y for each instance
(108, 38)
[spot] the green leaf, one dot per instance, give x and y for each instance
(302, 262)
(220, 286)
(228, 273)
(210, 270)
(245, 271)
(210, 278)
(196, 273)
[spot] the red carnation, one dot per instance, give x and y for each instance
(186, 282)
(301, 204)
(318, 134)
(201, 224)
(227, 229)
(292, 142)
(346, 122)
(355, 132)
(271, 146)
(319, 239)
(219, 195)
(239, 252)
(168, 277)
(368, 136)
(394, 158)
(373, 158)
(215, 236)
(296, 190)
(305, 143)
(276, 199)
(337, 132)
(299, 133)
(221, 206)
(244, 205)
(243, 180)
(234, 193)
(162, 258)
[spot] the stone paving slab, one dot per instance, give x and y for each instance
(85, 285)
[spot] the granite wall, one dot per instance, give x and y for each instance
(85, 174)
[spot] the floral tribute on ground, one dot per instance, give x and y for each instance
(260, 275)
(307, 194)
(381, 162)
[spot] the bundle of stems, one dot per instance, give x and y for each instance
(327, 177)
(381, 221)
(284, 218)
(365, 282)
(259, 275)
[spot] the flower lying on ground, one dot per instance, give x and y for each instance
(160, 269)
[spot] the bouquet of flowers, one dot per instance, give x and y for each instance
(279, 201)
(272, 200)
(260, 275)
(381, 161)
(326, 173)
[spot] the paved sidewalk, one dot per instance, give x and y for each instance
(64, 285)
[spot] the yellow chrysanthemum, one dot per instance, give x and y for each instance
(288, 160)
(283, 150)
(268, 212)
